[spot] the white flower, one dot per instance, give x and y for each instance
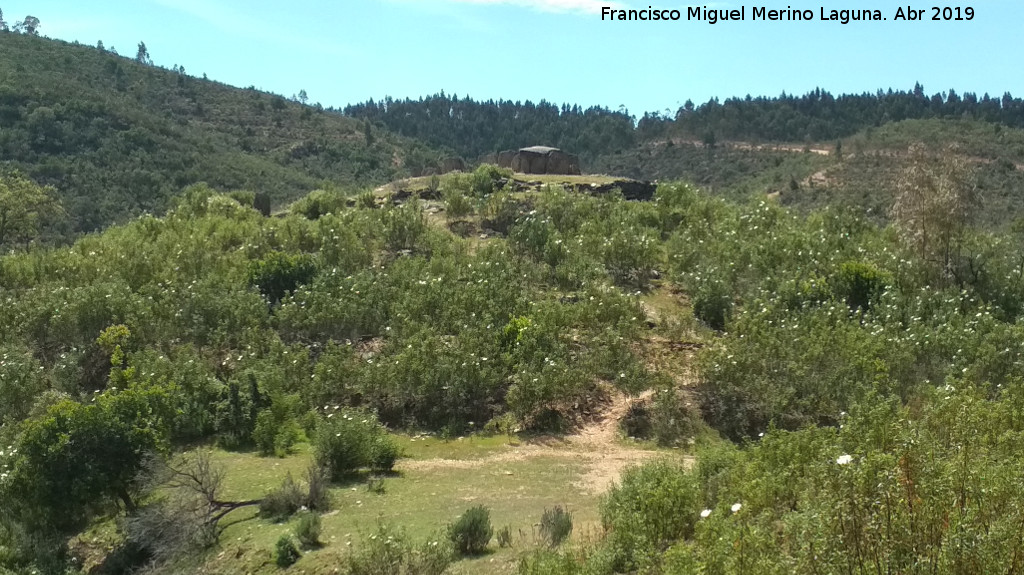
(844, 459)
(736, 507)
(705, 513)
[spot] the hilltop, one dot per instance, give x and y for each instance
(118, 137)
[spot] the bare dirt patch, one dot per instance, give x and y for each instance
(597, 445)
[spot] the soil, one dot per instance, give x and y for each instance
(598, 445)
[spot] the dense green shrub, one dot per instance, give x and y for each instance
(388, 551)
(631, 255)
(349, 440)
(456, 204)
(808, 370)
(713, 306)
(500, 212)
(21, 380)
(319, 203)
(244, 198)
(484, 180)
(404, 226)
(279, 273)
(70, 461)
(472, 531)
(860, 284)
(285, 552)
(654, 505)
(674, 416)
(308, 530)
(384, 453)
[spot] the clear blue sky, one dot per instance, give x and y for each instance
(345, 51)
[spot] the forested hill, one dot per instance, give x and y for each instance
(116, 136)
(819, 115)
(474, 129)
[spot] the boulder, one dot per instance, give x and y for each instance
(452, 165)
(634, 190)
(504, 159)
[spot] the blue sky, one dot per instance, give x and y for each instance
(344, 51)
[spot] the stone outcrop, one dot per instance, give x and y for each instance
(635, 190)
(452, 165)
(540, 160)
(505, 158)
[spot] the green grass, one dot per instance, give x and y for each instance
(470, 447)
(422, 500)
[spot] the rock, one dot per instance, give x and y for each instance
(504, 159)
(631, 189)
(451, 165)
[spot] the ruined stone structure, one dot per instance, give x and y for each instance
(540, 160)
(451, 165)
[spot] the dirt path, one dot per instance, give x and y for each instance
(596, 445)
(740, 145)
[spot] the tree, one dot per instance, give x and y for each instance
(303, 97)
(187, 508)
(78, 459)
(142, 56)
(25, 207)
(936, 200)
(99, 46)
(30, 25)
(3, 23)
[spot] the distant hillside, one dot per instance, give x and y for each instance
(818, 115)
(117, 137)
(728, 169)
(872, 161)
(473, 129)
(858, 173)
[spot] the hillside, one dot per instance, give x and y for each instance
(800, 351)
(476, 128)
(866, 174)
(116, 137)
(858, 173)
(593, 385)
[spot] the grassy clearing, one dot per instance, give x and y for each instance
(431, 488)
(471, 447)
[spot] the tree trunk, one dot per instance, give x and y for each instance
(129, 505)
